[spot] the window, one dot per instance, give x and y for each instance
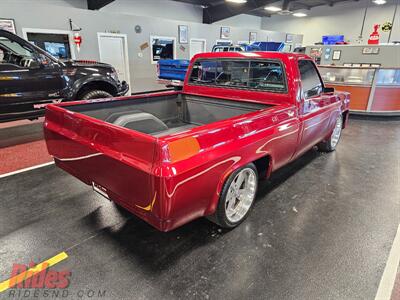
(162, 48)
(244, 74)
(232, 73)
(266, 75)
(53, 43)
(312, 85)
(14, 53)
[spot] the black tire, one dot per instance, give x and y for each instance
(94, 94)
(330, 144)
(220, 216)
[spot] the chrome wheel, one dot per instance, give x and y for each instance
(240, 195)
(337, 131)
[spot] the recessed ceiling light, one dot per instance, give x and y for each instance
(272, 8)
(237, 1)
(299, 15)
(379, 2)
(285, 12)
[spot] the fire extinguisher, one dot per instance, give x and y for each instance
(77, 40)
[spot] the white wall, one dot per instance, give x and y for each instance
(345, 18)
(247, 21)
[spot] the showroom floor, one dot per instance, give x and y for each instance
(322, 228)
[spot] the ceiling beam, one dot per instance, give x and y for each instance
(97, 4)
(285, 4)
(227, 10)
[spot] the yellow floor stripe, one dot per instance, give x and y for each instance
(5, 285)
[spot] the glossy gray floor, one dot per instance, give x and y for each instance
(322, 228)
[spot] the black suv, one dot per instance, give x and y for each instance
(30, 78)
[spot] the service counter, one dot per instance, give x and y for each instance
(374, 91)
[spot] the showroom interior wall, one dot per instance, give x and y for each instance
(345, 18)
(142, 72)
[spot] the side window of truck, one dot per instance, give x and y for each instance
(310, 80)
(14, 53)
(243, 74)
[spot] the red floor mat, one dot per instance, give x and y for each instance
(23, 156)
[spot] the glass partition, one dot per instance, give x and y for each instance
(373, 90)
(347, 75)
(388, 77)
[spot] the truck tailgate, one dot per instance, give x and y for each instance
(116, 161)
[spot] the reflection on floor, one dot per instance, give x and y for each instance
(22, 145)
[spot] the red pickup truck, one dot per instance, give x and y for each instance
(171, 157)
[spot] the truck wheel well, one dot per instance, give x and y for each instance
(97, 85)
(263, 164)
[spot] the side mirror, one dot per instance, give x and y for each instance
(328, 90)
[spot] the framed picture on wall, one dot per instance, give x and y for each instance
(183, 31)
(252, 37)
(225, 32)
(289, 38)
(8, 24)
(336, 54)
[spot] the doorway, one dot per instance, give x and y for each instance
(197, 46)
(113, 49)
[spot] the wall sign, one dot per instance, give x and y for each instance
(225, 32)
(328, 53)
(315, 54)
(336, 54)
(183, 32)
(374, 36)
(144, 46)
(289, 38)
(370, 50)
(252, 37)
(387, 26)
(8, 24)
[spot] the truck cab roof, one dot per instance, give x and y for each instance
(251, 55)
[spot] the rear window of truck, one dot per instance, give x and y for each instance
(265, 75)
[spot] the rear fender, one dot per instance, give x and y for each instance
(239, 163)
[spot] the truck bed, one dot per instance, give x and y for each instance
(137, 151)
(164, 115)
